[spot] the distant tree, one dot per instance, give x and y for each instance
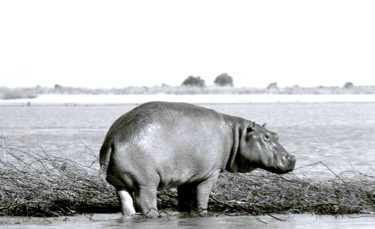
(193, 81)
(224, 80)
(58, 88)
(272, 85)
(348, 85)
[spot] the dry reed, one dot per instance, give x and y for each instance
(36, 184)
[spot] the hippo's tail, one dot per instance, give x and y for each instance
(105, 155)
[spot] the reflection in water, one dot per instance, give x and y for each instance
(178, 221)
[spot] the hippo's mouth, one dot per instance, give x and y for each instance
(277, 160)
(284, 164)
(280, 164)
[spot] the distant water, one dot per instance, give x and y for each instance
(341, 135)
(58, 99)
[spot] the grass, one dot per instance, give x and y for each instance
(36, 184)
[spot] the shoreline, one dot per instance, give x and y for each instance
(110, 99)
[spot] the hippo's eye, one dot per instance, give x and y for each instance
(266, 137)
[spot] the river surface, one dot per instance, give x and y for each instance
(326, 138)
(302, 221)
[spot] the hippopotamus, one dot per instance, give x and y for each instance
(161, 145)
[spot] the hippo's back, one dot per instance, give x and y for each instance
(163, 116)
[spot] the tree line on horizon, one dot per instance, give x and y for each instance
(224, 84)
(225, 80)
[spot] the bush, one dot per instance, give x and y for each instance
(272, 86)
(348, 85)
(193, 81)
(224, 80)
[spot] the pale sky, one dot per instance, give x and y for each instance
(147, 42)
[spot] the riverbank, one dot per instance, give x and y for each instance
(38, 184)
(84, 99)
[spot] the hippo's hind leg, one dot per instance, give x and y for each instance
(145, 199)
(126, 202)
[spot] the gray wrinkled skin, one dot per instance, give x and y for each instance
(160, 145)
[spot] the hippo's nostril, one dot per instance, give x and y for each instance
(290, 157)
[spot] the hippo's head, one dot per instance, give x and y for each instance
(260, 148)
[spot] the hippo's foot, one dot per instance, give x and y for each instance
(152, 213)
(195, 214)
(201, 207)
(145, 199)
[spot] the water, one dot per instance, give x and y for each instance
(168, 222)
(341, 135)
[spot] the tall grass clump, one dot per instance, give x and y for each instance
(36, 184)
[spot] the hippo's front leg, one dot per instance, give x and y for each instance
(203, 190)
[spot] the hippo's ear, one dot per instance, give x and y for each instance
(264, 125)
(250, 129)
